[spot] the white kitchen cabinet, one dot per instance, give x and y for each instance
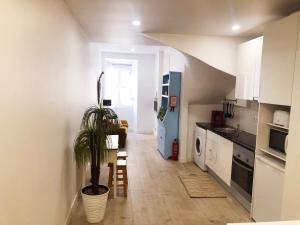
(211, 150)
(258, 57)
(278, 61)
(224, 159)
(219, 153)
(248, 69)
(267, 190)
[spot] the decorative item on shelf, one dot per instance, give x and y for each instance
(106, 102)
(161, 113)
(173, 103)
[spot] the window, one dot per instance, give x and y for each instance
(119, 84)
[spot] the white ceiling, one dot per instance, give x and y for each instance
(110, 20)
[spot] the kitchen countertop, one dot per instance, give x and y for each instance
(243, 138)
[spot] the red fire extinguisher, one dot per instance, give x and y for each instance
(175, 149)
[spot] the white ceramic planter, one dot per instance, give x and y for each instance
(94, 206)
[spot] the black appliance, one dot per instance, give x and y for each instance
(242, 171)
(278, 140)
(217, 119)
(106, 102)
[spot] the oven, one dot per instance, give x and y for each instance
(242, 171)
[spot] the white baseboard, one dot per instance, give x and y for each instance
(72, 208)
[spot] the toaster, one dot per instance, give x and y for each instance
(281, 118)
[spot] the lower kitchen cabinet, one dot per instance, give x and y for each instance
(224, 162)
(211, 150)
(219, 153)
(267, 190)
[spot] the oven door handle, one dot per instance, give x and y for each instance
(241, 165)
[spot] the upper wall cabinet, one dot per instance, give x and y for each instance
(248, 69)
(278, 61)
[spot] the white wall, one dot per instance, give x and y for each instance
(246, 117)
(218, 52)
(45, 87)
(146, 77)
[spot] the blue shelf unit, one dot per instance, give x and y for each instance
(168, 125)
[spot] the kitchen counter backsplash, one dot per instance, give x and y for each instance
(246, 117)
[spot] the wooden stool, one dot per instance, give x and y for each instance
(110, 175)
(121, 175)
(122, 155)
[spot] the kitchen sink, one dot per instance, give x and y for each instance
(226, 130)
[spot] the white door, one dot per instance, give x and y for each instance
(119, 87)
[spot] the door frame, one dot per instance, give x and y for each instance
(134, 64)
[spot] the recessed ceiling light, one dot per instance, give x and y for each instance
(136, 23)
(235, 27)
(132, 50)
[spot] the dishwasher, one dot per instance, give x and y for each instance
(267, 189)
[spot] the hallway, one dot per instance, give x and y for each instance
(156, 195)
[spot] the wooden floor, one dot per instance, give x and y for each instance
(157, 197)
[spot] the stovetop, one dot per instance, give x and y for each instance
(242, 138)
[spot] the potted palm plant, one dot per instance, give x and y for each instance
(91, 147)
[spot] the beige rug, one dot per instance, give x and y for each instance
(202, 186)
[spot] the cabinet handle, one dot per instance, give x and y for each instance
(242, 166)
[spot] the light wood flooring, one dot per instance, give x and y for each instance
(156, 196)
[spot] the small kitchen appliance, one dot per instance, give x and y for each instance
(278, 140)
(281, 118)
(217, 119)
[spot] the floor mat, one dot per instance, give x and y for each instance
(202, 186)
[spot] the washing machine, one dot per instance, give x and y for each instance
(199, 147)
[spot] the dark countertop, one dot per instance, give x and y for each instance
(244, 138)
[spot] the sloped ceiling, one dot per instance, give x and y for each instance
(205, 84)
(218, 52)
(110, 20)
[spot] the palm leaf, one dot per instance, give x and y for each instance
(92, 140)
